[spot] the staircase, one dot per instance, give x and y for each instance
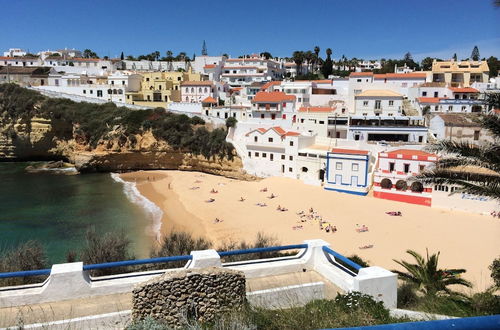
(408, 109)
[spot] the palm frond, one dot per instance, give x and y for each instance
(454, 162)
(472, 183)
(492, 123)
(488, 152)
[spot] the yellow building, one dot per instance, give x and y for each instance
(460, 73)
(160, 88)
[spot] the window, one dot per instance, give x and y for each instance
(338, 166)
(249, 154)
(99, 93)
(254, 138)
(264, 155)
(290, 158)
(406, 168)
(424, 93)
(271, 157)
(377, 104)
(365, 103)
(291, 143)
(270, 139)
(256, 154)
(290, 169)
(283, 157)
(421, 168)
(436, 94)
(355, 167)
(391, 167)
(84, 91)
(476, 135)
(91, 92)
(391, 103)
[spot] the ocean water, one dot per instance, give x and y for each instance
(57, 210)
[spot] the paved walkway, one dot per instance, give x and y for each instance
(70, 309)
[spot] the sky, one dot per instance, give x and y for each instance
(366, 29)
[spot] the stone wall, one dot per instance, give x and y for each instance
(201, 294)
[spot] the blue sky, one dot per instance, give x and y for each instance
(363, 29)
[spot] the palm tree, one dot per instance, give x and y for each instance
(308, 56)
(475, 169)
(170, 55)
(298, 58)
(426, 275)
(316, 51)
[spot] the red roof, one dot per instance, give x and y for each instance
(463, 90)
(350, 151)
(269, 84)
(316, 109)
(209, 66)
(409, 154)
(272, 97)
(401, 75)
(209, 99)
(361, 74)
(277, 129)
(429, 99)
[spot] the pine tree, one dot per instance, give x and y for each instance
(122, 57)
(327, 67)
(475, 54)
(455, 58)
(204, 51)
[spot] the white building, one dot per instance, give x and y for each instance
(14, 52)
(450, 99)
(146, 65)
(24, 61)
(378, 103)
(111, 88)
(314, 120)
(201, 62)
(273, 151)
(197, 91)
(274, 106)
(408, 129)
(458, 127)
(82, 66)
(348, 170)
(395, 168)
(243, 71)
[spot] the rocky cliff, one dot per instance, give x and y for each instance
(35, 136)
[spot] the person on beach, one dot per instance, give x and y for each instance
(210, 200)
(242, 199)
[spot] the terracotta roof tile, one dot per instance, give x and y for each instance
(209, 99)
(430, 99)
(410, 75)
(269, 84)
(316, 109)
(272, 97)
(361, 74)
(197, 83)
(463, 90)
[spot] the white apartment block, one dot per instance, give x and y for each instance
(244, 71)
(449, 99)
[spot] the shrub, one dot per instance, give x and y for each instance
(176, 244)
(495, 271)
(108, 247)
(261, 240)
(360, 261)
(231, 122)
(26, 256)
(407, 296)
(485, 303)
(197, 121)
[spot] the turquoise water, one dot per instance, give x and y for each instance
(58, 209)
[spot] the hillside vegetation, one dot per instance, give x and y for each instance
(93, 125)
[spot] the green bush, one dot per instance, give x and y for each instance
(407, 296)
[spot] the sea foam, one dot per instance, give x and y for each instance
(133, 195)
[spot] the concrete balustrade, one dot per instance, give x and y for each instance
(70, 281)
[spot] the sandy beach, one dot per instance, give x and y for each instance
(465, 240)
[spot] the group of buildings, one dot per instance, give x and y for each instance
(356, 134)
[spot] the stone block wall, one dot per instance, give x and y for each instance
(200, 294)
